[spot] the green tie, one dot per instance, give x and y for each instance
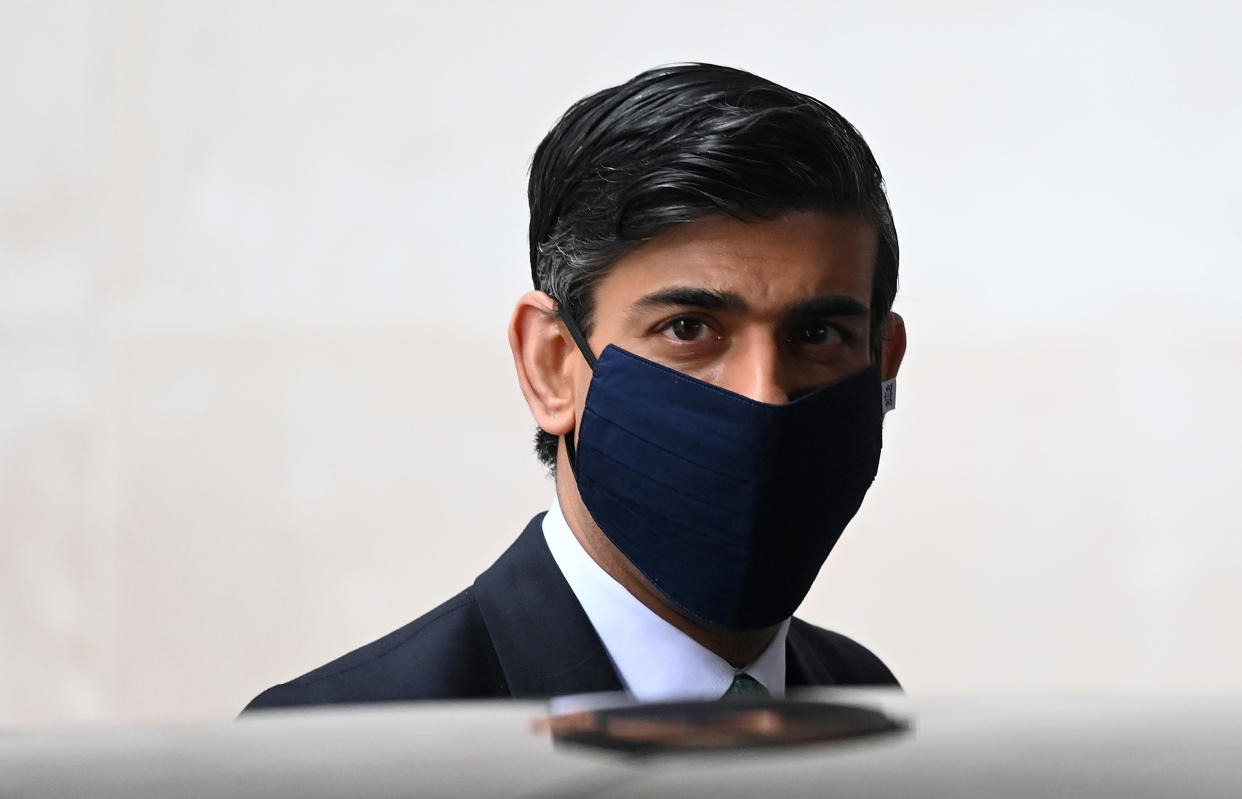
(744, 687)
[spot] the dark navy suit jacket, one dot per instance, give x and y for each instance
(520, 632)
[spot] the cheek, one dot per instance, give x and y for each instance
(582, 385)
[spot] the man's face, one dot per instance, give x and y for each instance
(769, 309)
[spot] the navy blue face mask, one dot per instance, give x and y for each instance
(728, 506)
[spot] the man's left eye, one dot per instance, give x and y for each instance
(817, 333)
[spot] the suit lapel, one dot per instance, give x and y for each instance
(543, 639)
(802, 667)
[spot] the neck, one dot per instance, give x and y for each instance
(738, 648)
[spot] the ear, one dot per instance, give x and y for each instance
(892, 346)
(544, 356)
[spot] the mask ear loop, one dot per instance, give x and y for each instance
(579, 338)
(576, 333)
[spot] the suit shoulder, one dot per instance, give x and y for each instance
(444, 654)
(852, 663)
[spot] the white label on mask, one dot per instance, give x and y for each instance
(888, 394)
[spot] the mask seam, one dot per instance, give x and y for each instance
(599, 486)
(670, 523)
(605, 420)
(618, 498)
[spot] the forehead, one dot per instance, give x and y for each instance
(771, 264)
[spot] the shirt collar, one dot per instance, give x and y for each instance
(654, 659)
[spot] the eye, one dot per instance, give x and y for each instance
(817, 334)
(687, 328)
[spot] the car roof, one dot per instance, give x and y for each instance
(972, 746)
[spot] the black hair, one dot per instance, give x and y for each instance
(678, 143)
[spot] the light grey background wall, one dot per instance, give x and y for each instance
(256, 260)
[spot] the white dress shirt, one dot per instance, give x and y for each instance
(655, 660)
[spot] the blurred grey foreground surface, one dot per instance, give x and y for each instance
(959, 747)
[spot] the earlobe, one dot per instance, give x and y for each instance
(542, 355)
(892, 346)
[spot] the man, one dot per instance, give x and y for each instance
(705, 354)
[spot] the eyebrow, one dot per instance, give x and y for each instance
(709, 299)
(835, 305)
(829, 305)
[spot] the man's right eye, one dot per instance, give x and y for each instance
(687, 328)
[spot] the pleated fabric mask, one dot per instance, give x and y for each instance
(727, 505)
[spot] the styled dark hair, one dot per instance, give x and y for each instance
(679, 143)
